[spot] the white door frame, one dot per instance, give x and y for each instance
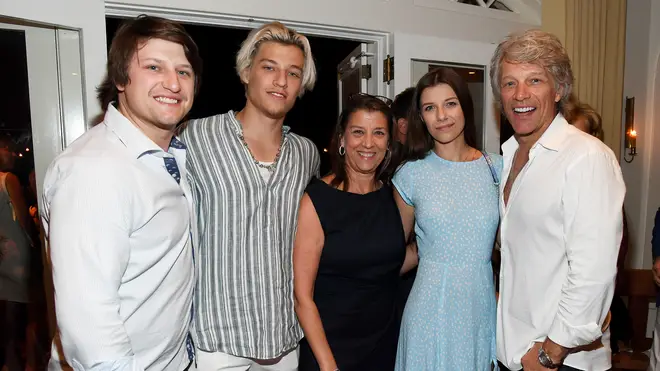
(57, 108)
(380, 39)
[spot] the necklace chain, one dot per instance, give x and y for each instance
(270, 167)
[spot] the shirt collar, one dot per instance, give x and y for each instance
(239, 129)
(133, 138)
(552, 139)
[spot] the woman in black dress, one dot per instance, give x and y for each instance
(349, 249)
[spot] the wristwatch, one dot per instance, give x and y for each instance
(546, 361)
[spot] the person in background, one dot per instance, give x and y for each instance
(117, 212)
(400, 108)
(654, 364)
(349, 249)
(583, 117)
(248, 172)
(447, 190)
(16, 253)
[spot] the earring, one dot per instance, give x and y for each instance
(342, 150)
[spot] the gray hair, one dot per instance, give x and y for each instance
(277, 32)
(535, 47)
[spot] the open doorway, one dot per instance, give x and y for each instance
(45, 94)
(314, 115)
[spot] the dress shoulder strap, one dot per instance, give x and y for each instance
(493, 172)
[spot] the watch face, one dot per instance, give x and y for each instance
(545, 360)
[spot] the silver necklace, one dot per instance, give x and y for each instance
(270, 167)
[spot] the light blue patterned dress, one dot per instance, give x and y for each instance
(449, 319)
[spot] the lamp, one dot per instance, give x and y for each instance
(631, 133)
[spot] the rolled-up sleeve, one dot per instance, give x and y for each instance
(87, 224)
(592, 205)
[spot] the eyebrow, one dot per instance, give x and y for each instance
(184, 65)
(273, 62)
(446, 100)
(531, 74)
(353, 126)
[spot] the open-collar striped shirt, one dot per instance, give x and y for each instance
(246, 226)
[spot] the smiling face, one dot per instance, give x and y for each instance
(442, 113)
(274, 78)
(161, 86)
(529, 98)
(366, 141)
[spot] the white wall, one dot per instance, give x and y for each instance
(642, 80)
(408, 16)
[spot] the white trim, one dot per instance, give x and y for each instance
(522, 11)
(380, 39)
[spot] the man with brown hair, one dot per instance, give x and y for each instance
(118, 212)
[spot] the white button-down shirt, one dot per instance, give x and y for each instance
(560, 236)
(120, 245)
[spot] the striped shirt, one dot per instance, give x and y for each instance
(246, 226)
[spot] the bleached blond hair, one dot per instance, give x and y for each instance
(279, 33)
(535, 47)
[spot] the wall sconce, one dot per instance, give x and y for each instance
(631, 134)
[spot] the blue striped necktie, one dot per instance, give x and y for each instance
(173, 169)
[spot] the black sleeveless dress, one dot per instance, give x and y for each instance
(356, 285)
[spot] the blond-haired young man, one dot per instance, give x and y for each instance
(248, 173)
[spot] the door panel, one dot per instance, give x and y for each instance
(44, 98)
(354, 74)
(46, 82)
(54, 86)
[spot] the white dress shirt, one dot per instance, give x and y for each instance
(120, 246)
(560, 236)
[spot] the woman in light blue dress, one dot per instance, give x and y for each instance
(448, 191)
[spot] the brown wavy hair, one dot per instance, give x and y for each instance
(419, 141)
(128, 38)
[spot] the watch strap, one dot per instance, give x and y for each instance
(546, 361)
